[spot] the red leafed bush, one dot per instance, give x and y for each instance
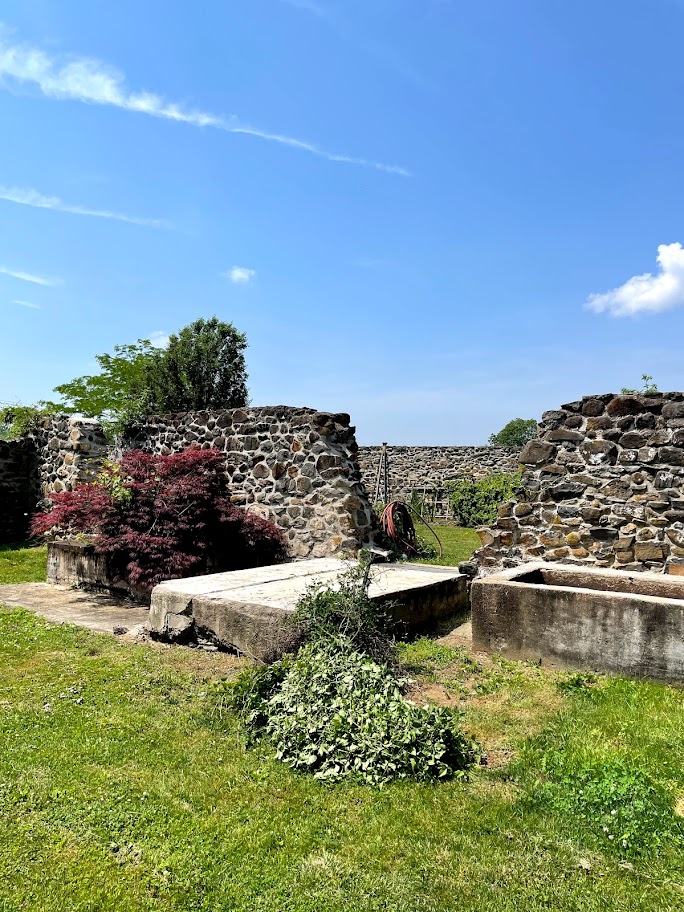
(164, 517)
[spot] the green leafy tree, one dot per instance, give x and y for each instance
(203, 367)
(516, 433)
(119, 392)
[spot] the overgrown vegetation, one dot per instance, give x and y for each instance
(18, 420)
(121, 790)
(162, 517)
(345, 610)
(475, 502)
(648, 386)
(423, 503)
(337, 709)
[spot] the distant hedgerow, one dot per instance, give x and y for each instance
(164, 517)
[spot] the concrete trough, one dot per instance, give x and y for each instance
(577, 617)
(249, 609)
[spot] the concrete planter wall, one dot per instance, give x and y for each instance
(603, 620)
(78, 564)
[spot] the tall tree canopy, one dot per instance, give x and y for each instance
(516, 433)
(203, 367)
(119, 390)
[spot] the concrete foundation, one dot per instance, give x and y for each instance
(603, 620)
(249, 609)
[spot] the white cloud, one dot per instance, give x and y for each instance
(89, 80)
(240, 275)
(159, 339)
(646, 293)
(28, 304)
(28, 277)
(27, 196)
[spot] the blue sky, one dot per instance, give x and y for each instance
(435, 215)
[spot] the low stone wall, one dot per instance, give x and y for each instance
(18, 488)
(603, 485)
(293, 466)
(426, 469)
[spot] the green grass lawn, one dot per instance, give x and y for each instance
(122, 788)
(458, 544)
(20, 564)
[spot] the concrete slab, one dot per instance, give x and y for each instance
(64, 605)
(248, 609)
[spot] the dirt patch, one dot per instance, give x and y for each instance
(497, 758)
(437, 694)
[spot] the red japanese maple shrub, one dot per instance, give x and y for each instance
(164, 517)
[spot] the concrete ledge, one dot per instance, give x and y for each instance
(603, 620)
(248, 609)
(78, 563)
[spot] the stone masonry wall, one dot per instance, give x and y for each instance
(603, 485)
(18, 488)
(428, 468)
(69, 450)
(294, 466)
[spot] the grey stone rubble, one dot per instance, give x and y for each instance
(603, 485)
(249, 609)
(68, 451)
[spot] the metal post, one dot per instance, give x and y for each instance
(382, 478)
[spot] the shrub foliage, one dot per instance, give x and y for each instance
(475, 503)
(337, 710)
(163, 517)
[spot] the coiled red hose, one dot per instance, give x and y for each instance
(397, 524)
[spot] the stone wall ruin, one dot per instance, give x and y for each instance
(293, 466)
(603, 485)
(69, 451)
(296, 467)
(426, 469)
